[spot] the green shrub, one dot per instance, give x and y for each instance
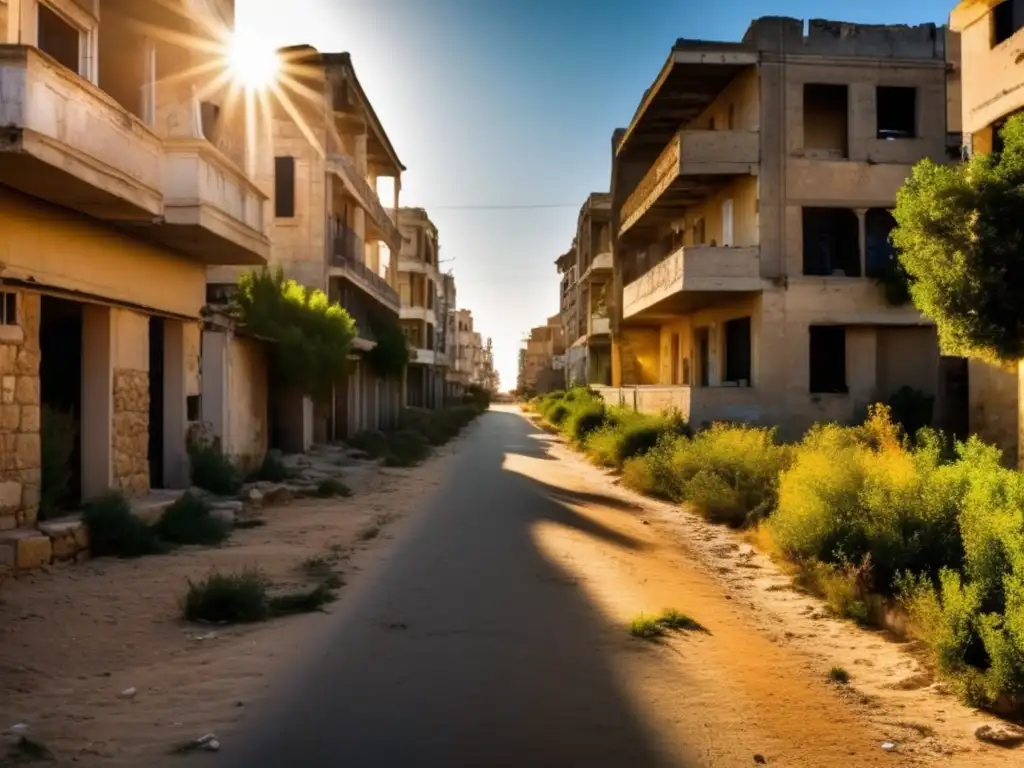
(58, 435)
(115, 532)
(212, 471)
(628, 434)
(373, 443)
(330, 487)
(188, 521)
(557, 412)
(477, 397)
(232, 598)
(912, 409)
(585, 418)
(272, 470)
(406, 448)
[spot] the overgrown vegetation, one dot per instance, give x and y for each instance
(839, 676)
(272, 470)
(311, 335)
(331, 487)
(240, 598)
(872, 516)
(420, 430)
(188, 521)
(655, 627)
(959, 232)
(115, 532)
(58, 434)
(212, 471)
(391, 353)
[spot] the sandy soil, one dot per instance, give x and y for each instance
(770, 646)
(74, 638)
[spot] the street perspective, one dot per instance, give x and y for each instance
(541, 384)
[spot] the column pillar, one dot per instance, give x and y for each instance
(174, 407)
(97, 401)
(862, 233)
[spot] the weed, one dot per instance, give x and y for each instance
(406, 448)
(188, 521)
(212, 471)
(369, 533)
(672, 619)
(646, 628)
(272, 470)
(316, 566)
(839, 676)
(231, 598)
(330, 487)
(115, 532)
(301, 602)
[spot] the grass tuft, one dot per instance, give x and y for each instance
(839, 676)
(646, 628)
(115, 532)
(331, 487)
(228, 598)
(188, 521)
(672, 619)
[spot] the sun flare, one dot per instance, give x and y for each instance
(253, 62)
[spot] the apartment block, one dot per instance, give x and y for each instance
(991, 90)
(122, 178)
(750, 211)
(542, 364)
(586, 281)
(454, 384)
(424, 309)
(469, 362)
(330, 231)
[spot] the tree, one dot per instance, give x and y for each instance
(489, 376)
(960, 234)
(309, 335)
(391, 353)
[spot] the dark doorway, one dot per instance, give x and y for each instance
(60, 395)
(156, 402)
(828, 359)
(704, 352)
(954, 401)
(737, 351)
(831, 242)
(879, 224)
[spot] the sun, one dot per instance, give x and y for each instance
(253, 62)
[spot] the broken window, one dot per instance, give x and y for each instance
(59, 38)
(826, 119)
(828, 359)
(284, 187)
(879, 224)
(737, 351)
(1007, 19)
(831, 242)
(896, 112)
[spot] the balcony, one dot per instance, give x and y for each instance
(65, 141)
(212, 210)
(348, 261)
(691, 278)
(379, 224)
(418, 265)
(599, 325)
(691, 168)
(600, 267)
(423, 314)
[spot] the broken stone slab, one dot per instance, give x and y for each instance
(32, 549)
(69, 537)
(1001, 734)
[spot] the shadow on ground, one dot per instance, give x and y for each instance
(458, 651)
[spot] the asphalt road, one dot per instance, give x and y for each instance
(468, 647)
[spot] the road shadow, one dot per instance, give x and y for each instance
(468, 647)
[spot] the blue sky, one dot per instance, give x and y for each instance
(513, 103)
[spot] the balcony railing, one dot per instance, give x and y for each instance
(348, 254)
(345, 168)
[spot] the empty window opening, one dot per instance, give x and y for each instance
(125, 65)
(897, 112)
(284, 187)
(737, 351)
(732, 116)
(8, 308)
(727, 223)
(59, 39)
(711, 123)
(193, 407)
(831, 242)
(703, 344)
(1007, 19)
(430, 336)
(675, 358)
(699, 232)
(826, 120)
(879, 224)
(828, 359)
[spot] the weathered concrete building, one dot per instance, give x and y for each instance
(542, 367)
(327, 232)
(118, 187)
(469, 361)
(455, 385)
(750, 215)
(991, 88)
(586, 281)
(423, 311)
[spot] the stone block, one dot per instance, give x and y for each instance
(8, 386)
(29, 418)
(30, 496)
(27, 362)
(10, 417)
(28, 451)
(8, 555)
(32, 549)
(8, 522)
(27, 390)
(10, 495)
(8, 359)
(64, 538)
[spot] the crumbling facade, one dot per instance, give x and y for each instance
(750, 211)
(542, 364)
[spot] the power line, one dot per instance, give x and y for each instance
(527, 207)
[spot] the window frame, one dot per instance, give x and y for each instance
(277, 188)
(85, 23)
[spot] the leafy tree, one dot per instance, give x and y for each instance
(391, 354)
(310, 335)
(960, 235)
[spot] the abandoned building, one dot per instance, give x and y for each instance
(424, 309)
(329, 231)
(118, 187)
(469, 359)
(751, 198)
(542, 362)
(990, 41)
(586, 279)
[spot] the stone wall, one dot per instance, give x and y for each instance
(130, 432)
(20, 472)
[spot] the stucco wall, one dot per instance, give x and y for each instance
(248, 435)
(20, 417)
(714, 319)
(993, 406)
(742, 95)
(638, 352)
(743, 193)
(53, 246)
(991, 76)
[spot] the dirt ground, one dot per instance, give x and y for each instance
(72, 640)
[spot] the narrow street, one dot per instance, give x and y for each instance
(495, 633)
